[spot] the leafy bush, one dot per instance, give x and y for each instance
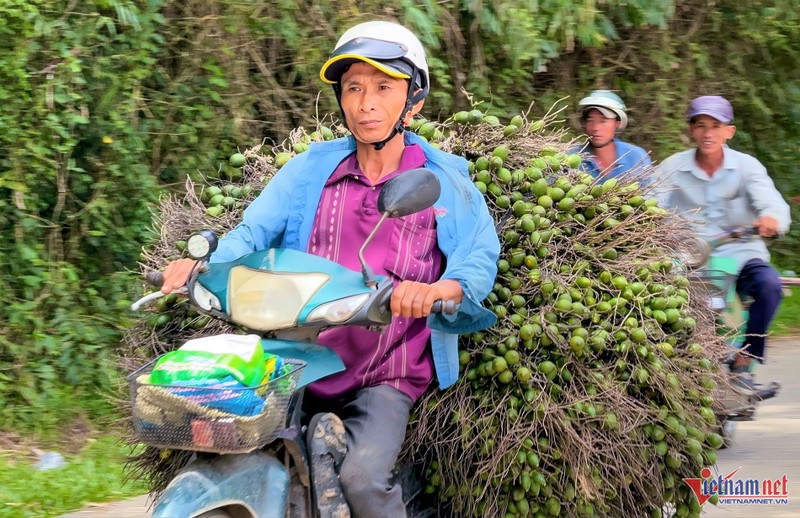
(74, 190)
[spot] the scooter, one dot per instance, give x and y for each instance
(287, 297)
(719, 274)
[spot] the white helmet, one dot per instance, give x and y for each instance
(389, 47)
(606, 102)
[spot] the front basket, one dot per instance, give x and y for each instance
(210, 419)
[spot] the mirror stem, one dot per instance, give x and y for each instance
(366, 271)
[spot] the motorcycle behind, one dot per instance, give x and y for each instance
(257, 465)
(718, 275)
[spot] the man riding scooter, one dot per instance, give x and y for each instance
(718, 188)
(603, 116)
(324, 202)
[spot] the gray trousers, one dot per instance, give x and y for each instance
(375, 422)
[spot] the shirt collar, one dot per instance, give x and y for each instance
(413, 156)
(729, 161)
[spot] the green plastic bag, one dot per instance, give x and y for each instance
(211, 359)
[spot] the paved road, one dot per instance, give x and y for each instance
(768, 446)
(765, 448)
(132, 508)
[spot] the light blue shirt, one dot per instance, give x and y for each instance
(283, 216)
(630, 158)
(737, 194)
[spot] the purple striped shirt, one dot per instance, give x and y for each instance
(403, 249)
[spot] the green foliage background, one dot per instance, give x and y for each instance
(108, 103)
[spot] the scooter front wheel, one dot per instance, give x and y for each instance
(228, 512)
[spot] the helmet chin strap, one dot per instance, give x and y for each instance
(398, 129)
(411, 100)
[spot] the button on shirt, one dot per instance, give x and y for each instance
(737, 194)
(402, 249)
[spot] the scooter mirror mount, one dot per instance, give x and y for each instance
(202, 244)
(408, 193)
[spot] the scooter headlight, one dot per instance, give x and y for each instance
(694, 252)
(338, 311)
(266, 301)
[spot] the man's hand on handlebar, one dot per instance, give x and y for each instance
(415, 299)
(767, 226)
(176, 274)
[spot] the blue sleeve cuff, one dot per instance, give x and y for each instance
(470, 317)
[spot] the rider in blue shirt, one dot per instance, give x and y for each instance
(606, 156)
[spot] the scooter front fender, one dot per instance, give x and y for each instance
(320, 360)
(255, 482)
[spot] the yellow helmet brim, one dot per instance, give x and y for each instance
(333, 69)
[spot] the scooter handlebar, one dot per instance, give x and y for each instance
(154, 278)
(734, 234)
(747, 232)
(448, 307)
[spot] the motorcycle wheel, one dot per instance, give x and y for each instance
(298, 499)
(216, 513)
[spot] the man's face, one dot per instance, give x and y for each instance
(372, 102)
(599, 128)
(710, 134)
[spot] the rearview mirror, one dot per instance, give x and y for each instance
(408, 193)
(405, 194)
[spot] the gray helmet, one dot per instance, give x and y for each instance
(606, 102)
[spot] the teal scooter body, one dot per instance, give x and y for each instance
(253, 483)
(340, 282)
(723, 272)
(257, 484)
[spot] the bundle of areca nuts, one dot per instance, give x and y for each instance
(593, 395)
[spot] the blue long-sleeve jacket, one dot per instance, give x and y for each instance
(282, 216)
